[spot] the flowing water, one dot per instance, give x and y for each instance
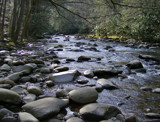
(129, 98)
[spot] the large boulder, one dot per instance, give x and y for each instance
(135, 64)
(27, 117)
(106, 72)
(83, 95)
(45, 108)
(106, 84)
(99, 111)
(66, 76)
(9, 96)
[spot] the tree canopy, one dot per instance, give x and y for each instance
(22, 19)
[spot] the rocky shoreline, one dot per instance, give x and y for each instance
(24, 76)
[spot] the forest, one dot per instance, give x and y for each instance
(24, 19)
(79, 60)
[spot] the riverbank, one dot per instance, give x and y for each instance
(61, 79)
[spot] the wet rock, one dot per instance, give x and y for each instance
(27, 117)
(9, 96)
(45, 108)
(61, 69)
(135, 64)
(155, 120)
(62, 93)
(49, 83)
(99, 88)
(29, 98)
(83, 58)
(9, 119)
(106, 84)
(108, 47)
(84, 81)
(25, 79)
(153, 115)
(66, 76)
(74, 119)
(5, 112)
(34, 90)
(56, 61)
(16, 63)
(83, 95)
(131, 119)
(99, 111)
(157, 90)
(5, 67)
(54, 120)
(88, 73)
(15, 76)
(19, 89)
(28, 68)
(106, 72)
(7, 81)
(6, 86)
(146, 88)
(141, 70)
(4, 52)
(69, 60)
(148, 57)
(45, 70)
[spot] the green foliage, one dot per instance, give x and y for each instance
(39, 25)
(137, 19)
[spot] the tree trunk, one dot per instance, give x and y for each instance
(19, 20)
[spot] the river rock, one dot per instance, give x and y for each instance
(9, 119)
(62, 93)
(83, 81)
(15, 76)
(19, 89)
(61, 69)
(83, 58)
(146, 88)
(106, 84)
(5, 67)
(148, 57)
(106, 72)
(45, 108)
(34, 90)
(9, 96)
(131, 119)
(135, 64)
(6, 86)
(74, 119)
(66, 76)
(16, 63)
(29, 98)
(25, 79)
(5, 112)
(99, 111)
(88, 73)
(27, 117)
(45, 70)
(83, 95)
(4, 52)
(153, 115)
(27, 68)
(157, 90)
(49, 83)
(7, 81)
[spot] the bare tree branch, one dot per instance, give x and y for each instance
(56, 4)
